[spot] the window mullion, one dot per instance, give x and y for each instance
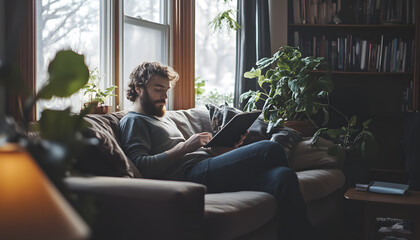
(107, 63)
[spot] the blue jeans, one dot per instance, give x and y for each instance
(261, 166)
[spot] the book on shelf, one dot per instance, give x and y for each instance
(383, 187)
(352, 53)
(363, 11)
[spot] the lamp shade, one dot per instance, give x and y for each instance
(30, 205)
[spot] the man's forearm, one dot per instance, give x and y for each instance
(177, 152)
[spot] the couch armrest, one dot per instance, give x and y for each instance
(129, 208)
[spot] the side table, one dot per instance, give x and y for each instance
(386, 205)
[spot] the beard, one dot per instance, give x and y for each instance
(150, 107)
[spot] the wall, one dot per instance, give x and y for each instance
(278, 24)
(2, 55)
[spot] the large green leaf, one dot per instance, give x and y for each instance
(353, 121)
(60, 125)
(68, 73)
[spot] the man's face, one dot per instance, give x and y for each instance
(153, 96)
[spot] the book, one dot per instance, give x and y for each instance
(232, 131)
(383, 187)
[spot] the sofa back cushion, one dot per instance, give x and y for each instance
(190, 121)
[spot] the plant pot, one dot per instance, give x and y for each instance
(355, 169)
(101, 110)
(306, 128)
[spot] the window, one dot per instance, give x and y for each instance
(83, 25)
(67, 24)
(146, 37)
(215, 57)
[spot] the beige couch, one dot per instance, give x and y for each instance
(131, 207)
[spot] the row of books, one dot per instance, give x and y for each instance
(407, 98)
(315, 11)
(353, 12)
(352, 53)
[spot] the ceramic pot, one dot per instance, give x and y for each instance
(102, 109)
(306, 128)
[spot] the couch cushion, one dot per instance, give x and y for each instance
(318, 183)
(190, 121)
(306, 157)
(230, 215)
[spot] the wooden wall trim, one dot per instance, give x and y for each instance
(183, 53)
(24, 54)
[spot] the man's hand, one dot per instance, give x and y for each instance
(241, 140)
(221, 150)
(192, 144)
(197, 140)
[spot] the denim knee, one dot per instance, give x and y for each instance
(274, 152)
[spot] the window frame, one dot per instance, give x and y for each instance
(25, 54)
(164, 27)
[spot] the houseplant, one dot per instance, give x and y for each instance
(96, 96)
(354, 145)
(288, 89)
(59, 130)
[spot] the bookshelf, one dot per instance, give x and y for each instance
(373, 51)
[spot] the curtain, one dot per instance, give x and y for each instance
(253, 42)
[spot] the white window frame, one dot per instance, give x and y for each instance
(166, 28)
(107, 45)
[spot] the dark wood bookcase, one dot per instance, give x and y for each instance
(374, 92)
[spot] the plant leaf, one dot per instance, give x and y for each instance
(366, 123)
(353, 120)
(68, 74)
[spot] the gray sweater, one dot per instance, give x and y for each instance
(145, 139)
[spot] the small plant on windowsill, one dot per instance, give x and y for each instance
(96, 96)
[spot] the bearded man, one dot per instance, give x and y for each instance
(159, 151)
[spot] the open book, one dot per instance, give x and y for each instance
(383, 187)
(232, 131)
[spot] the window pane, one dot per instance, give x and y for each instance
(141, 44)
(149, 10)
(215, 54)
(66, 24)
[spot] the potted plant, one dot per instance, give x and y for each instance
(95, 95)
(289, 89)
(59, 130)
(353, 145)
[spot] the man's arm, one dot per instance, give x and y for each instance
(137, 144)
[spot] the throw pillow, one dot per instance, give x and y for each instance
(288, 138)
(106, 158)
(221, 115)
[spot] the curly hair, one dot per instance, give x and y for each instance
(144, 72)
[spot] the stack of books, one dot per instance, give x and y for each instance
(383, 187)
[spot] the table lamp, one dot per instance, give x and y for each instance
(30, 205)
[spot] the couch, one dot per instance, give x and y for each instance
(128, 206)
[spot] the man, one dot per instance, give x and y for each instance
(159, 151)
